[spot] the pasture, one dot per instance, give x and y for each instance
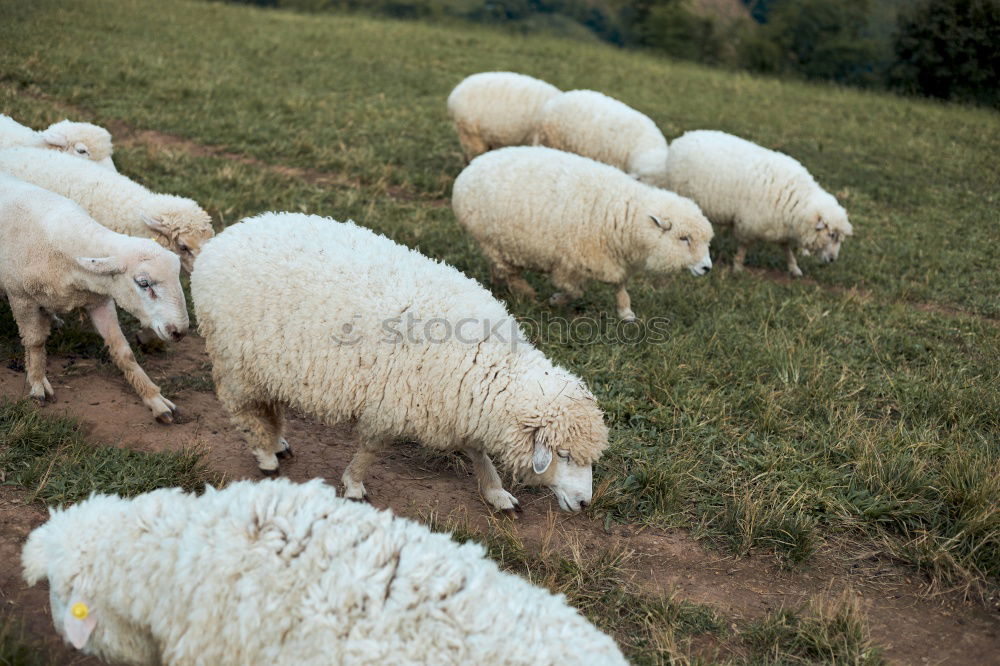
(785, 437)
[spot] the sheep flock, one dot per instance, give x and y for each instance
(310, 314)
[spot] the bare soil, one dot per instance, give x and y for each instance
(914, 626)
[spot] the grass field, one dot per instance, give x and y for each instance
(859, 405)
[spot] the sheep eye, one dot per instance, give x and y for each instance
(183, 248)
(563, 454)
(81, 151)
(143, 283)
(686, 239)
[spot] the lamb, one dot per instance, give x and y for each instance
(81, 139)
(764, 195)
(542, 209)
(55, 258)
(496, 109)
(291, 574)
(120, 204)
(346, 326)
(594, 125)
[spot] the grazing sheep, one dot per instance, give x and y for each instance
(764, 195)
(280, 573)
(81, 139)
(496, 109)
(594, 125)
(120, 204)
(55, 258)
(344, 325)
(542, 209)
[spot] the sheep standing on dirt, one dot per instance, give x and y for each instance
(765, 195)
(120, 204)
(594, 125)
(55, 258)
(80, 139)
(291, 574)
(496, 109)
(345, 325)
(542, 209)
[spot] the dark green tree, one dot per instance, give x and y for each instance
(950, 49)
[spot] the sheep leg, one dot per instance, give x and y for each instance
(793, 265)
(490, 485)
(353, 478)
(105, 320)
(569, 289)
(34, 325)
(511, 276)
(261, 425)
(741, 255)
(624, 303)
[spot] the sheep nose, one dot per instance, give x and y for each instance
(175, 334)
(584, 504)
(707, 269)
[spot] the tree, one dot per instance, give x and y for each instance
(950, 49)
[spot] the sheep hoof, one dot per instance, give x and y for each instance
(513, 512)
(363, 499)
(285, 453)
(796, 272)
(270, 473)
(166, 417)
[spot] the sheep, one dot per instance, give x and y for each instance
(594, 125)
(344, 325)
(274, 572)
(496, 109)
(542, 209)
(55, 258)
(763, 194)
(81, 139)
(120, 204)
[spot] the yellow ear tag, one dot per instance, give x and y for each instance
(80, 610)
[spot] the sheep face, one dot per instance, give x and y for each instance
(572, 483)
(59, 551)
(82, 139)
(828, 227)
(146, 284)
(564, 443)
(677, 241)
(180, 225)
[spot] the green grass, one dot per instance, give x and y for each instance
(15, 648)
(775, 416)
(51, 457)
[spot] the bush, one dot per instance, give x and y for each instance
(950, 49)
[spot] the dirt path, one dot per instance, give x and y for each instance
(912, 626)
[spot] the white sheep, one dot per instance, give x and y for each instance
(80, 139)
(496, 109)
(542, 209)
(764, 195)
(115, 201)
(342, 324)
(279, 573)
(55, 258)
(594, 125)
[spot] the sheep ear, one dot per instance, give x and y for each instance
(55, 138)
(79, 620)
(101, 265)
(666, 227)
(155, 223)
(541, 457)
